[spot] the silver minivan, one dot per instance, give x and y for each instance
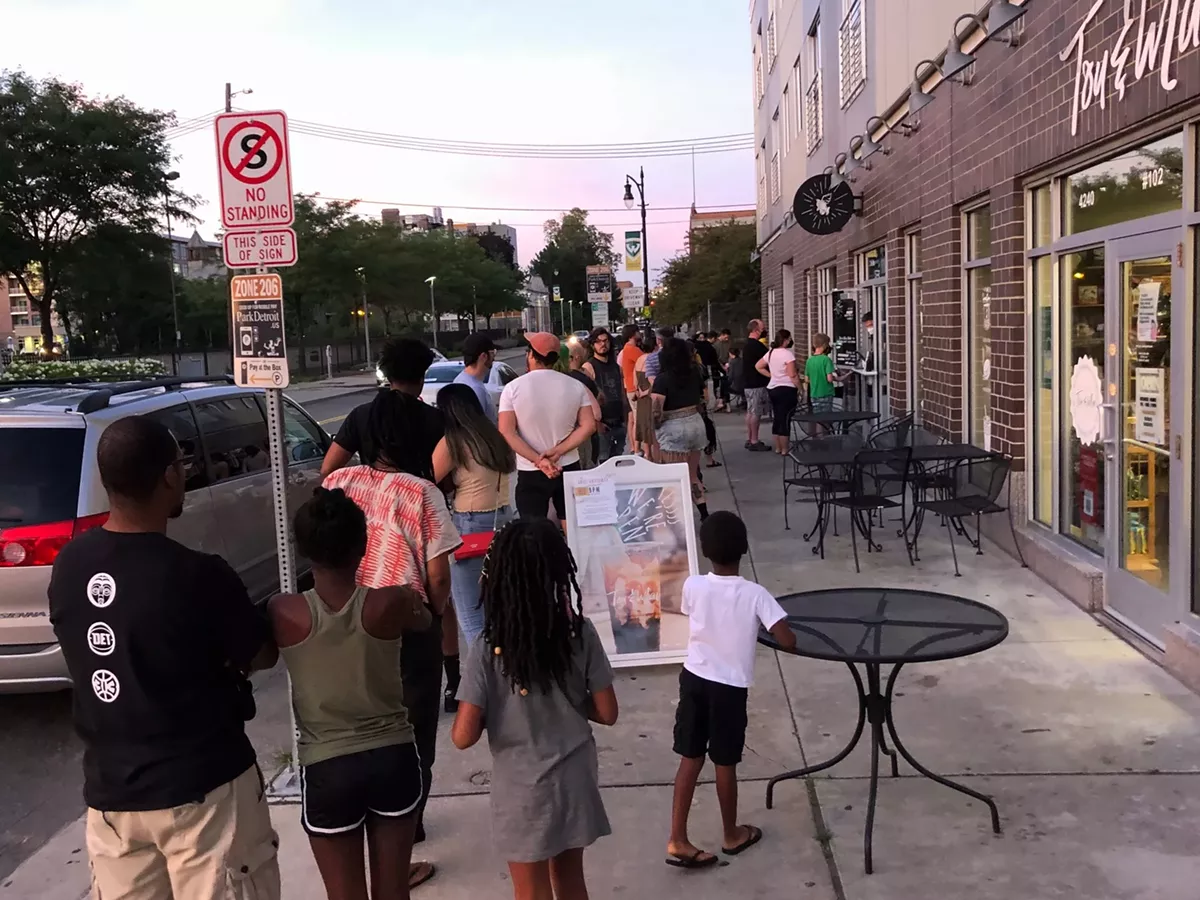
(50, 491)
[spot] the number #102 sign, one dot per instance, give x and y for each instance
(256, 189)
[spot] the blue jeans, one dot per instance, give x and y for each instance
(464, 576)
(612, 442)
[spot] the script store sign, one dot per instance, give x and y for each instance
(1153, 38)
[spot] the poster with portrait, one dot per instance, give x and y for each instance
(631, 527)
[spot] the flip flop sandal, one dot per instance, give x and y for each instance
(431, 870)
(693, 861)
(755, 836)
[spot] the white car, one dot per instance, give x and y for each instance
(441, 374)
(380, 381)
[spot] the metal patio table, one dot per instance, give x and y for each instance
(874, 627)
(839, 420)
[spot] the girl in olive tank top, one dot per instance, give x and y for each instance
(359, 768)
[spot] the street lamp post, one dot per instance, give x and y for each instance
(366, 314)
(433, 308)
(172, 176)
(640, 183)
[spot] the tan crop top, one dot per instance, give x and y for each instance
(475, 489)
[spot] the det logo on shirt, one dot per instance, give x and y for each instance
(101, 639)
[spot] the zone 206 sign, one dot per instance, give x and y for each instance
(256, 177)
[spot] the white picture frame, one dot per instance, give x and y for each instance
(631, 572)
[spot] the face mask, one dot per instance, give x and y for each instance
(870, 330)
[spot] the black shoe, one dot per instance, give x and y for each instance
(449, 703)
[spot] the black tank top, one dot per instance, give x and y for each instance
(612, 386)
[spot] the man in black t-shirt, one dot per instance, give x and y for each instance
(404, 362)
(158, 640)
(614, 408)
(757, 405)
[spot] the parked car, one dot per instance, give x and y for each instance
(380, 381)
(442, 374)
(50, 491)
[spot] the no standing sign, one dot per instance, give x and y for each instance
(255, 170)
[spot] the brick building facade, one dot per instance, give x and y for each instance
(1018, 214)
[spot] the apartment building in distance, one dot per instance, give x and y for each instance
(413, 222)
(1010, 188)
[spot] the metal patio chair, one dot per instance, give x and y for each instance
(878, 481)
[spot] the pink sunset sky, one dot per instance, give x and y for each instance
(527, 71)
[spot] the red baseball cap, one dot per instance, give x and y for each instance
(543, 342)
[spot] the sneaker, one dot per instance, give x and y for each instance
(760, 447)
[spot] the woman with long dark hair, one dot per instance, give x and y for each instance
(783, 387)
(533, 682)
(410, 539)
(475, 455)
(677, 394)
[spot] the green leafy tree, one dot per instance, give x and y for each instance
(717, 269)
(204, 312)
(324, 285)
(572, 244)
(68, 165)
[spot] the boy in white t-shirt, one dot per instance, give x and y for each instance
(725, 612)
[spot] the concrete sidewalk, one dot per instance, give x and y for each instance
(1088, 748)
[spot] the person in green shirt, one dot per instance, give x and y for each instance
(821, 375)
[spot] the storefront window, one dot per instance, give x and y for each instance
(1042, 465)
(1138, 183)
(1083, 397)
(979, 318)
(1043, 223)
(1144, 411)
(914, 322)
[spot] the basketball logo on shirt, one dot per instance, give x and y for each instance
(101, 639)
(101, 589)
(105, 685)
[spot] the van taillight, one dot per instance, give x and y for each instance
(38, 545)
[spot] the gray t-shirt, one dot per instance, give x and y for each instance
(531, 736)
(480, 389)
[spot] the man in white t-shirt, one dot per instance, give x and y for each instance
(725, 612)
(544, 415)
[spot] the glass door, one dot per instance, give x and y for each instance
(1143, 404)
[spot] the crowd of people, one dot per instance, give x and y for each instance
(414, 553)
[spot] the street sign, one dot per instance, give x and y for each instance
(260, 354)
(599, 288)
(255, 170)
(273, 247)
(633, 297)
(599, 315)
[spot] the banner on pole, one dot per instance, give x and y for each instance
(633, 251)
(557, 294)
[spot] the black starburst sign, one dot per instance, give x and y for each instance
(821, 209)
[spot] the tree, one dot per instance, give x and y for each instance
(115, 292)
(324, 279)
(571, 246)
(717, 270)
(70, 164)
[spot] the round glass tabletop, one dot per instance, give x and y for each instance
(888, 625)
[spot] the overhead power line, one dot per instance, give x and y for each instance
(544, 209)
(679, 147)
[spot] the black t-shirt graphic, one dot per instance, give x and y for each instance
(612, 386)
(752, 352)
(355, 434)
(155, 637)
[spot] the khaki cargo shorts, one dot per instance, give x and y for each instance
(222, 848)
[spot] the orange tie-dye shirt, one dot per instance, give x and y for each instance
(408, 524)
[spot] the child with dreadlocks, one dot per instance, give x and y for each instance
(533, 681)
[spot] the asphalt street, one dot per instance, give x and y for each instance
(41, 779)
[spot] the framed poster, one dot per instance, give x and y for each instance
(630, 526)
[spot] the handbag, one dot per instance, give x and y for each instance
(476, 545)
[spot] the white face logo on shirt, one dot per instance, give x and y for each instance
(101, 589)
(101, 639)
(105, 685)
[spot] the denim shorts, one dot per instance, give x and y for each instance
(464, 575)
(822, 404)
(682, 435)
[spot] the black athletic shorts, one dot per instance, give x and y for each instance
(337, 795)
(535, 492)
(711, 718)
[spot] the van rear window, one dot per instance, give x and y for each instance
(39, 475)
